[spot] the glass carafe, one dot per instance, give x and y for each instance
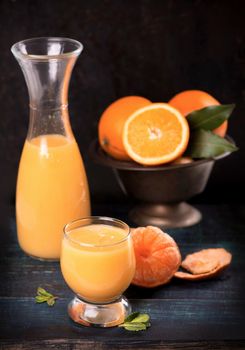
(52, 187)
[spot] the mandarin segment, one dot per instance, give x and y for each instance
(155, 134)
(157, 256)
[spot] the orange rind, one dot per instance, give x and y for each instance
(204, 264)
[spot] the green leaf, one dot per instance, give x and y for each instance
(40, 299)
(129, 326)
(132, 316)
(209, 118)
(205, 144)
(42, 291)
(142, 318)
(136, 322)
(44, 296)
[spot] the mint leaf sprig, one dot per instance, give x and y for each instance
(136, 322)
(44, 296)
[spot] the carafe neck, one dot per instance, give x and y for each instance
(47, 65)
(45, 121)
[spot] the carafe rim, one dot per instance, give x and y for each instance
(17, 48)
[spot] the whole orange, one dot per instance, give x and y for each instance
(192, 100)
(112, 121)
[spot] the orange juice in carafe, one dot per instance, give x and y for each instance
(52, 187)
(51, 191)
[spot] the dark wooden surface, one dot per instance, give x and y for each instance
(185, 315)
(151, 48)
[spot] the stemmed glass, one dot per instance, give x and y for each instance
(98, 264)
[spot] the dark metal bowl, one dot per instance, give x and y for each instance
(161, 190)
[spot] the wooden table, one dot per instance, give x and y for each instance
(185, 315)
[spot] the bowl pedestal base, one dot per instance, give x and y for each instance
(165, 215)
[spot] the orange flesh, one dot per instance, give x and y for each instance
(159, 129)
(112, 122)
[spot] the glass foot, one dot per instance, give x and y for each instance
(99, 315)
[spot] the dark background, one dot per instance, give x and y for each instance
(149, 48)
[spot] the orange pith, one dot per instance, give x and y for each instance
(155, 134)
(192, 100)
(157, 256)
(112, 122)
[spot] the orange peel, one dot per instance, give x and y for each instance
(204, 264)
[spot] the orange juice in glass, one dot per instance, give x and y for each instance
(98, 264)
(52, 187)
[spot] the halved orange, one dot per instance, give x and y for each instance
(155, 134)
(157, 256)
(112, 121)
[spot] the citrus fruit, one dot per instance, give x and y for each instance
(112, 121)
(204, 264)
(192, 100)
(157, 256)
(155, 134)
